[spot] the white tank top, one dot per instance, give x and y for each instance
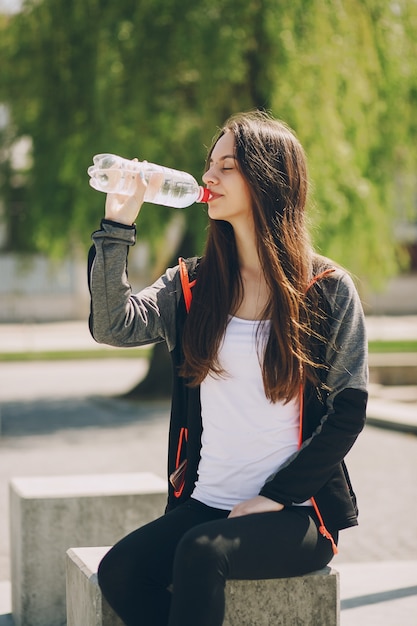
(246, 438)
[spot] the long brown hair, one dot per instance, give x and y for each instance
(272, 161)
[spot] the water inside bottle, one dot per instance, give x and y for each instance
(112, 181)
(177, 194)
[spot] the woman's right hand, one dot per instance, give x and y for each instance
(125, 209)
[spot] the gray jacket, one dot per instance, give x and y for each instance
(334, 415)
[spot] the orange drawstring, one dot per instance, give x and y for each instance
(300, 430)
(185, 283)
(322, 528)
(320, 276)
(183, 435)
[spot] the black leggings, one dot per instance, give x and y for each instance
(173, 571)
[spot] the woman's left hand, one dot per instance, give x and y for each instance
(258, 504)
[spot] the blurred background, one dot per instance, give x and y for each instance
(154, 79)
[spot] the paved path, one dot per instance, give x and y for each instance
(63, 418)
(74, 335)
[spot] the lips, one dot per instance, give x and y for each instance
(213, 196)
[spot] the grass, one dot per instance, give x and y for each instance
(393, 346)
(67, 355)
(135, 353)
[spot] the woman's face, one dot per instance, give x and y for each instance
(231, 200)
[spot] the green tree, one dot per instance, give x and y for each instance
(134, 78)
(154, 78)
(354, 61)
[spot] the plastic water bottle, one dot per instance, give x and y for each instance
(114, 174)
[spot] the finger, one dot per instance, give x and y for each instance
(140, 187)
(155, 182)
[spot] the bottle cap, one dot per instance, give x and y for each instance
(204, 194)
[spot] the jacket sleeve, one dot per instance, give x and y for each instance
(307, 470)
(117, 316)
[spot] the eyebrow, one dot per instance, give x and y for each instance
(223, 158)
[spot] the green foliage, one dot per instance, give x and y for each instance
(155, 78)
(344, 84)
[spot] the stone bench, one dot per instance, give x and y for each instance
(49, 515)
(311, 600)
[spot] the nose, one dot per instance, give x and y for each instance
(209, 177)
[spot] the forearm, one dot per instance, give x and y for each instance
(118, 317)
(330, 437)
(305, 473)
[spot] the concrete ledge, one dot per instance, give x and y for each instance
(310, 600)
(393, 369)
(392, 415)
(85, 604)
(48, 515)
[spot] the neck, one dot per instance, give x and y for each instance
(247, 252)
(255, 296)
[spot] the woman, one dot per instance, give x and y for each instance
(269, 352)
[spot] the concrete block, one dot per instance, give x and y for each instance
(85, 604)
(309, 600)
(49, 515)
